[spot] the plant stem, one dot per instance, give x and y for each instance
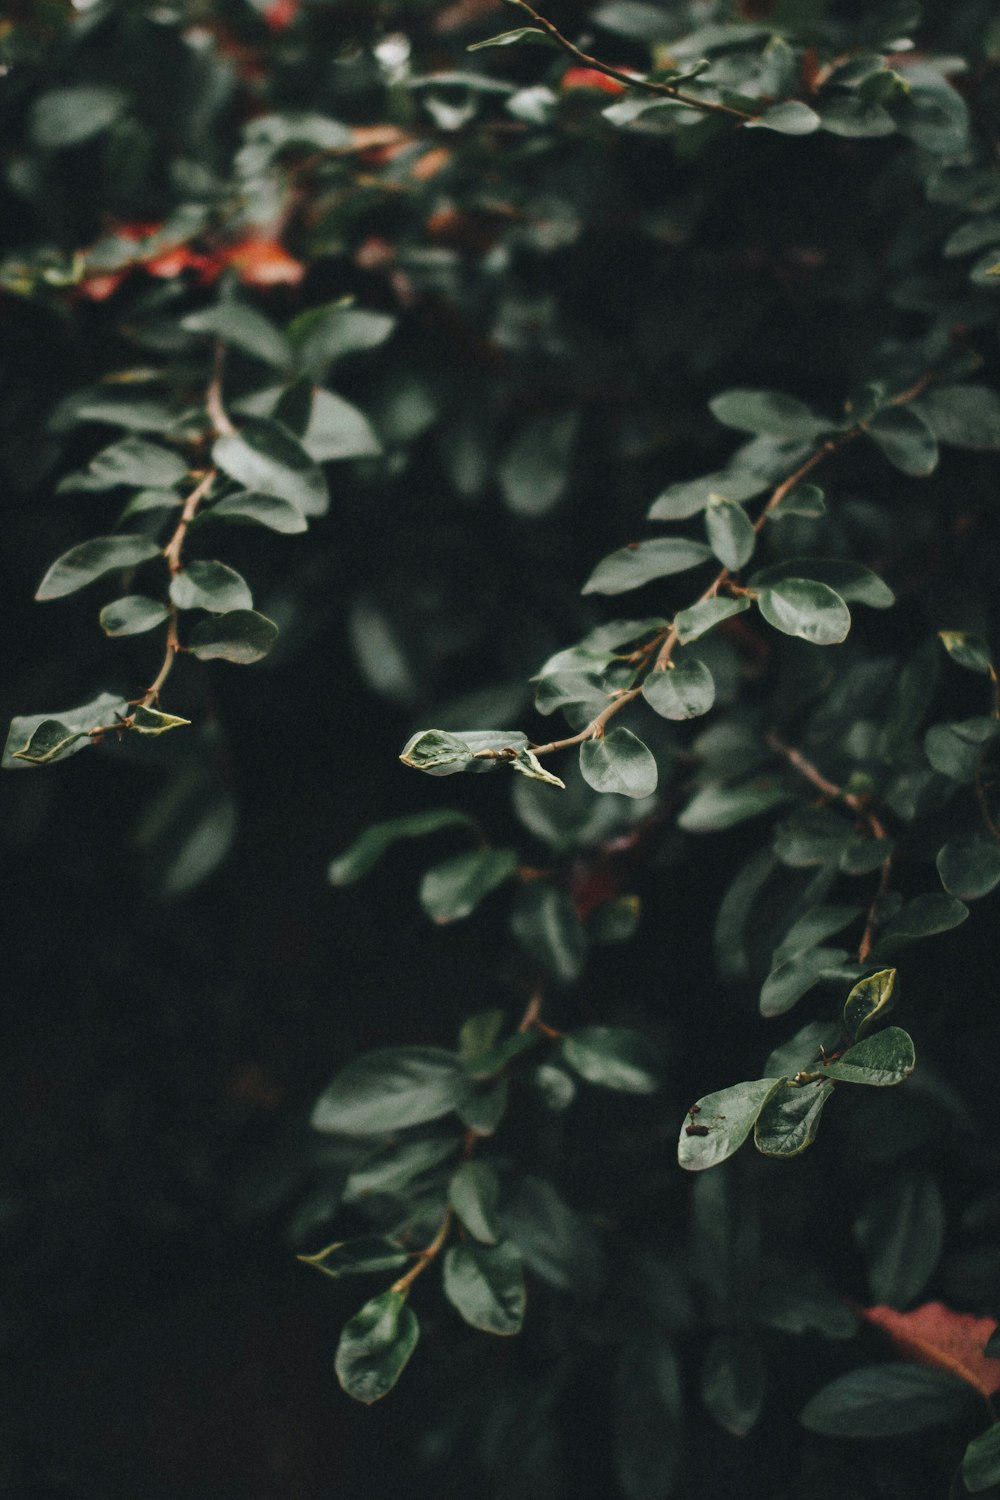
(425, 1256)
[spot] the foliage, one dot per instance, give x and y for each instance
(470, 309)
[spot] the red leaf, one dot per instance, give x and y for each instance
(261, 262)
(591, 78)
(934, 1335)
(280, 14)
(100, 288)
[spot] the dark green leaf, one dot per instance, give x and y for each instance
(882, 1060)
(717, 807)
(474, 1194)
(682, 692)
(325, 334)
(969, 868)
(483, 1110)
(375, 1346)
(442, 754)
(265, 456)
(212, 586)
(792, 978)
(524, 34)
(90, 560)
(390, 1090)
(479, 1034)
(640, 563)
(955, 749)
(619, 762)
(924, 916)
(967, 650)
(370, 1252)
(814, 927)
(804, 1304)
(769, 412)
(901, 1231)
(981, 1462)
(906, 440)
(648, 1417)
(854, 583)
(869, 1001)
(70, 116)
(730, 532)
(683, 500)
(727, 1118)
(486, 1284)
(733, 1382)
(615, 921)
(885, 1400)
(803, 500)
(614, 1057)
(805, 608)
(545, 923)
(534, 473)
(104, 710)
(338, 430)
(251, 508)
(132, 615)
(393, 1167)
(452, 890)
(851, 116)
(51, 740)
(242, 636)
(700, 618)
(153, 721)
(555, 1243)
(967, 416)
(245, 328)
(367, 850)
(790, 1117)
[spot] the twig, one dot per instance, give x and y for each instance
(425, 1256)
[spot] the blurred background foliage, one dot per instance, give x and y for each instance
(565, 295)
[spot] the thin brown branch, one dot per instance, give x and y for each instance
(647, 85)
(425, 1256)
(213, 396)
(172, 647)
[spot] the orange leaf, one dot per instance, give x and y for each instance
(591, 78)
(934, 1335)
(260, 262)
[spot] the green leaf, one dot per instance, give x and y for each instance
(615, 921)
(366, 851)
(853, 117)
(803, 1304)
(719, 1123)
(969, 868)
(483, 1110)
(143, 502)
(556, 1243)
(640, 563)
(803, 500)
(717, 807)
(132, 615)
(153, 721)
(76, 721)
(526, 763)
(680, 501)
(212, 586)
(793, 977)
(730, 532)
(981, 1462)
(901, 1231)
(369, 1252)
(545, 923)
(814, 926)
(392, 1168)
(391, 1089)
(734, 1382)
(790, 117)
(439, 753)
(325, 334)
(242, 636)
(805, 608)
(133, 461)
(882, 1060)
(615, 1057)
(869, 1001)
(854, 583)
(251, 508)
(529, 34)
(474, 1194)
(91, 560)
(452, 890)
(967, 416)
(68, 117)
(906, 440)
(245, 328)
(769, 412)
(648, 1412)
(134, 413)
(534, 473)
(884, 1400)
(967, 650)
(337, 430)
(619, 762)
(789, 1119)
(682, 692)
(479, 1034)
(265, 456)
(486, 1284)
(51, 740)
(700, 618)
(375, 1347)
(924, 916)
(955, 749)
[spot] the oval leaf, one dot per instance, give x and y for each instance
(486, 1284)
(391, 1089)
(619, 762)
(806, 608)
(788, 1122)
(242, 636)
(265, 456)
(730, 532)
(474, 1194)
(212, 586)
(90, 560)
(685, 692)
(132, 615)
(719, 1123)
(631, 567)
(615, 1057)
(375, 1346)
